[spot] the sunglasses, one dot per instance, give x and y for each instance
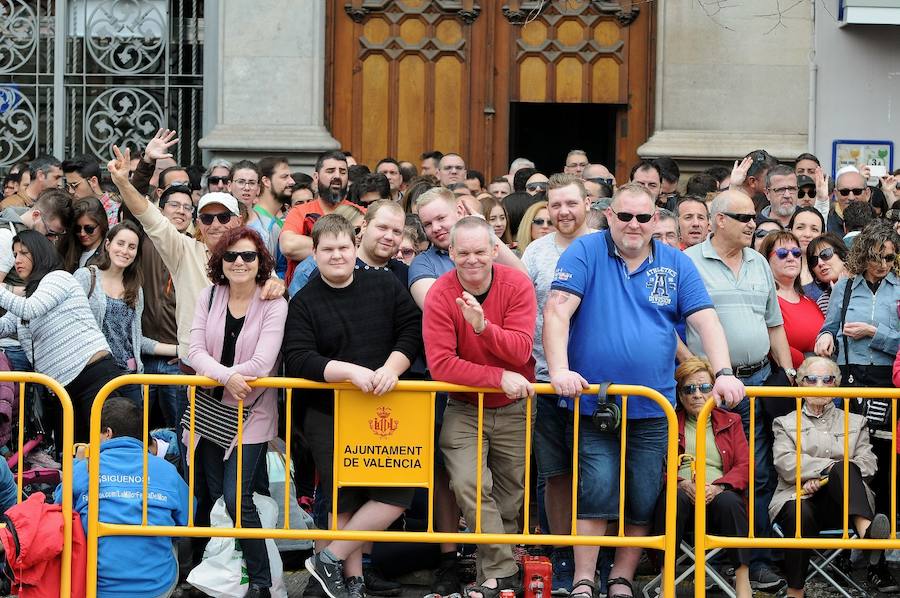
(542, 222)
(743, 218)
(207, 219)
(825, 254)
(761, 233)
(783, 252)
(689, 389)
(247, 257)
(218, 180)
(812, 379)
(88, 229)
(811, 193)
(627, 216)
(888, 258)
(600, 180)
(536, 186)
(855, 191)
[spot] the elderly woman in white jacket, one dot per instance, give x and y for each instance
(822, 472)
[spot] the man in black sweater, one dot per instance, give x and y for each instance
(356, 325)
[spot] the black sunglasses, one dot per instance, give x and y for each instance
(762, 233)
(542, 222)
(855, 191)
(87, 228)
(247, 257)
(600, 180)
(689, 389)
(783, 252)
(207, 219)
(806, 193)
(825, 254)
(536, 186)
(218, 180)
(744, 218)
(813, 379)
(627, 216)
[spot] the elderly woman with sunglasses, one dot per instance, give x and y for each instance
(727, 468)
(826, 256)
(822, 475)
(802, 318)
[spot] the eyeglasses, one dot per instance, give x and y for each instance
(689, 389)
(627, 216)
(244, 183)
(783, 252)
(536, 187)
(184, 207)
(812, 379)
(542, 222)
(824, 255)
(51, 234)
(783, 190)
(600, 180)
(407, 252)
(762, 233)
(806, 193)
(218, 180)
(87, 229)
(207, 219)
(888, 258)
(855, 191)
(73, 185)
(247, 257)
(743, 218)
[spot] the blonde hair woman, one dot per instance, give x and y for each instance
(535, 224)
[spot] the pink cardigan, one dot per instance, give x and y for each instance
(256, 354)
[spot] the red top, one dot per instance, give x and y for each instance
(459, 356)
(802, 322)
(300, 219)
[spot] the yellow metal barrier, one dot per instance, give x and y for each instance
(704, 541)
(21, 379)
(97, 529)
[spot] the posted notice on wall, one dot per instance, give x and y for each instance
(383, 441)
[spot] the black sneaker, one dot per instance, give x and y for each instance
(764, 579)
(254, 591)
(356, 587)
(879, 576)
(377, 585)
(879, 529)
(446, 579)
(330, 576)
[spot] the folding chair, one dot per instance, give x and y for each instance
(821, 561)
(652, 589)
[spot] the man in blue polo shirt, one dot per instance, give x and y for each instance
(611, 315)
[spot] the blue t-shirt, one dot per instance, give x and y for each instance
(624, 329)
(431, 263)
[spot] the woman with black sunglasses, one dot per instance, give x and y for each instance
(826, 256)
(91, 226)
(764, 226)
(802, 318)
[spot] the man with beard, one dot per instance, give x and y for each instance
(781, 191)
(276, 186)
(332, 181)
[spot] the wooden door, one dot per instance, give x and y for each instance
(408, 76)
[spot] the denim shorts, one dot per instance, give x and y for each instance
(598, 469)
(552, 449)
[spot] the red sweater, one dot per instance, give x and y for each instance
(802, 322)
(459, 356)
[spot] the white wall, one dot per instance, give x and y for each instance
(858, 84)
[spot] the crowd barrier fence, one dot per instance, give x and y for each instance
(66, 450)
(355, 410)
(705, 541)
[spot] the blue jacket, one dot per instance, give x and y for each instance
(8, 488)
(879, 310)
(132, 566)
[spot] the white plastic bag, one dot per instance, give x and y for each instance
(223, 572)
(299, 518)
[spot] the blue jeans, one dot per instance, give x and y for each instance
(764, 477)
(172, 399)
(18, 361)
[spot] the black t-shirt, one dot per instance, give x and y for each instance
(233, 327)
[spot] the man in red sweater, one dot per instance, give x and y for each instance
(478, 328)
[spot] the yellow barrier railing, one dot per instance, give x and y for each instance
(97, 529)
(704, 541)
(21, 379)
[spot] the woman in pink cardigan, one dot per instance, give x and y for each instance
(235, 338)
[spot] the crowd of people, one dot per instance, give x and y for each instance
(762, 273)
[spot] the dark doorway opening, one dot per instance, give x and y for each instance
(545, 133)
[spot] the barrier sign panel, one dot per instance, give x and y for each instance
(386, 440)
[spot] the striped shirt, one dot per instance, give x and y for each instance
(55, 326)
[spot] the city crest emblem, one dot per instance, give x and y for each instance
(384, 424)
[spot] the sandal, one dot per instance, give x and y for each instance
(503, 583)
(584, 582)
(619, 581)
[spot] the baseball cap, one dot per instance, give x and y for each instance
(226, 200)
(805, 181)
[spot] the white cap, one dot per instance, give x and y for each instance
(845, 170)
(223, 199)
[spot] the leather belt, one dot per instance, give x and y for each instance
(743, 371)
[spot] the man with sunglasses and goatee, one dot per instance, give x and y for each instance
(849, 186)
(614, 295)
(742, 288)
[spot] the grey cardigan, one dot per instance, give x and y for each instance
(97, 301)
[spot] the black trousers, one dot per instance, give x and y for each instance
(726, 515)
(823, 510)
(83, 390)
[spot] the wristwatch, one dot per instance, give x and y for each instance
(790, 372)
(725, 372)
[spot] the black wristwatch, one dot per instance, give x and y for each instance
(724, 372)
